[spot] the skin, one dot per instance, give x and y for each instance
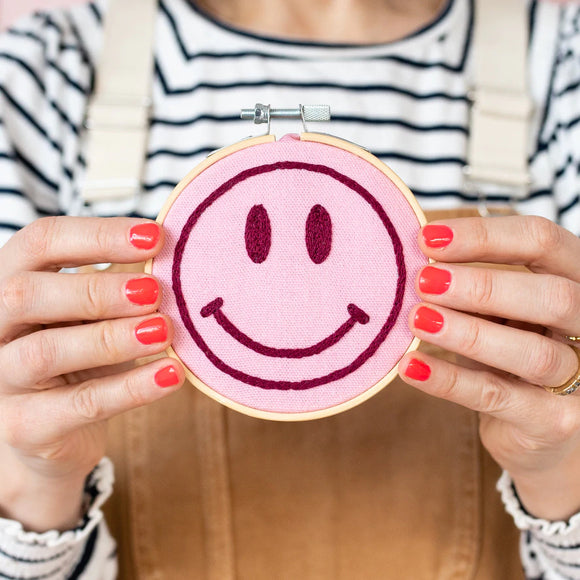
(56, 394)
(333, 21)
(532, 433)
(59, 384)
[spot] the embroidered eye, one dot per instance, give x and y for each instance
(258, 234)
(318, 234)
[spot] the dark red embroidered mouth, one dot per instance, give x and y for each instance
(214, 308)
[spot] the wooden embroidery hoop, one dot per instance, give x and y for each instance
(306, 137)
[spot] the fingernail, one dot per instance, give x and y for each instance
(437, 236)
(428, 320)
(145, 236)
(142, 291)
(152, 331)
(434, 280)
(167, 377)
(418, 370)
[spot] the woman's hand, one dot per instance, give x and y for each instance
(60, 335)
(532, 433)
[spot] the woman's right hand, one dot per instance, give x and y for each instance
(61, 339)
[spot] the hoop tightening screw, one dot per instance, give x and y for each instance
(261, 114)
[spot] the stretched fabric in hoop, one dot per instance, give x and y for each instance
(289, 271)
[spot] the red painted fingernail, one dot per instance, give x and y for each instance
(167, 377)
(145, 236)
(152, 331)
(434, 280)
(428, 320)
(437, 236)
(418, 370)
(142, 291)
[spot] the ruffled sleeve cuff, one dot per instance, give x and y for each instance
(549, 550)
(565, 533)
(38, 555)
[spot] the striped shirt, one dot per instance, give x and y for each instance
(406, 101)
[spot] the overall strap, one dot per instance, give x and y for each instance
(118, 115)
(502, 108)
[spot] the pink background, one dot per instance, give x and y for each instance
(12, 9)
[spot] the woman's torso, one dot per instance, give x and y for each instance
(399, 486)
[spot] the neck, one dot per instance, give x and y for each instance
(332, 21)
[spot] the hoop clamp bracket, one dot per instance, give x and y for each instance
(262, 114)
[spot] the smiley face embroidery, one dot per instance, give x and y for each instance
(286, 271)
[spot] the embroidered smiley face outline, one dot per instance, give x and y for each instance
(275, 404)
(214, 307)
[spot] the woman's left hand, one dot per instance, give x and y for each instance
(530, 432)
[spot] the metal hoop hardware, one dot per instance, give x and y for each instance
(262, 114)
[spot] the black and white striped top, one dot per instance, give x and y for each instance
(406, 101)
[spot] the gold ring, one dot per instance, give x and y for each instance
(572, 338)
(572, 384)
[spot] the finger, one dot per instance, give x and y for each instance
(532, 241)
(45, 298)
(486, 392)
(541, 299)
(533, 357)
(59, 242)
(43, 355)
(60, 411)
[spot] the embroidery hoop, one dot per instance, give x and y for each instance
(306, 137)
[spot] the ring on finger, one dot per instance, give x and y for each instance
(572, 338)
(570, 386)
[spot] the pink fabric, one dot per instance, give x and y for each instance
(329, 277)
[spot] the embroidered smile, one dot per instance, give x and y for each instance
(214, 308)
